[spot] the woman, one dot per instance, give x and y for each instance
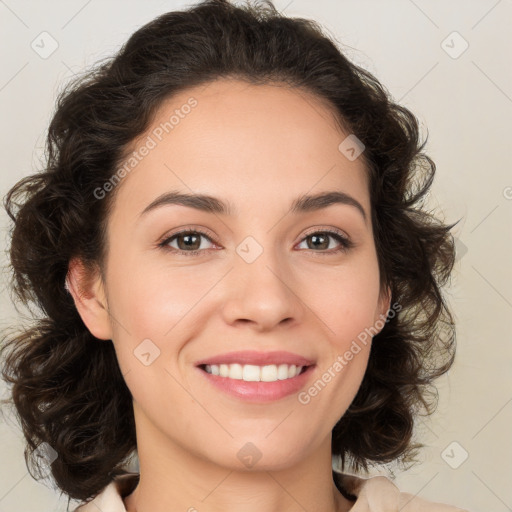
(237, 279)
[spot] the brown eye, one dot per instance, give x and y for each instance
(319, 241)
(188, 242)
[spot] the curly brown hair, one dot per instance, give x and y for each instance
(67, 390)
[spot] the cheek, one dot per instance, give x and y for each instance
(346, 302)
(151, 301)
(154, 316)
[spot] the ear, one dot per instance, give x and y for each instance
(87, 289)
(383, 306)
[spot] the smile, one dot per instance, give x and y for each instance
(257, 384)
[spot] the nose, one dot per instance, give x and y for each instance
(262, 293)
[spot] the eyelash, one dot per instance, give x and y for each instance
(345, 242)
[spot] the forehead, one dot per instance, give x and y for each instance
(236, 140)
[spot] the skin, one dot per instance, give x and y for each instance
(258, 147)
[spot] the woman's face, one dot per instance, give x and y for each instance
(262, 277)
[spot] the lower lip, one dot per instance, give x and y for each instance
(259, 391)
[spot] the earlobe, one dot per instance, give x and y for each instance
(87, 289)
(383, 308)
(386, 302)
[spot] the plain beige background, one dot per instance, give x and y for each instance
(463, 95)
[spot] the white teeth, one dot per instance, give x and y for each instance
(270, 374)
(282, 371)
(253, 373)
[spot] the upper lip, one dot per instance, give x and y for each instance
(257, 358)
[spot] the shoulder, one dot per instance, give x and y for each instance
(380, 494)
(110, 499)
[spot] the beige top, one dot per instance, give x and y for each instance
(375, 494)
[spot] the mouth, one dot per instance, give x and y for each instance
(255, 376)
(257, 384)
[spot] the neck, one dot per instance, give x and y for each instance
(255, 496)
(173, 478)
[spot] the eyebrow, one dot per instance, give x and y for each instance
(210, 204)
